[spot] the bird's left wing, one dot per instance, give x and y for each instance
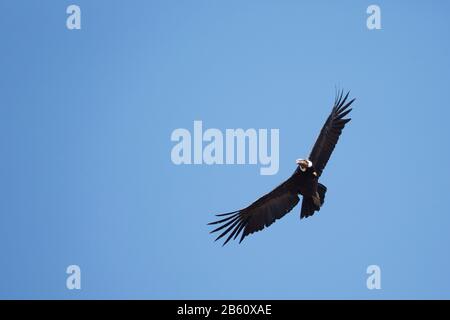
(261, 213)
(331, 130)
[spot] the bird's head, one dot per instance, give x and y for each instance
(304, 164)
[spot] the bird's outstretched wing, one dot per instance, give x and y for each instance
(331, 130)
(261, 213)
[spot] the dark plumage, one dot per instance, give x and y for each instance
(304, 181)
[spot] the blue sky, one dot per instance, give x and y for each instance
(86, 176)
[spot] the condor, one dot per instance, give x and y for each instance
(304, 181)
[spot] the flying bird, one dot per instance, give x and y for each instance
(304, 181)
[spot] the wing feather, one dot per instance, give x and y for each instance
(261, 213)
(331, 130)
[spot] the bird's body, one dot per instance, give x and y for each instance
(304, 181)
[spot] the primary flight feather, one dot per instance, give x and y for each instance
(304, 181)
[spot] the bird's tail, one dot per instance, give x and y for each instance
(313, 204)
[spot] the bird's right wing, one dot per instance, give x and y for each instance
(261, 213)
